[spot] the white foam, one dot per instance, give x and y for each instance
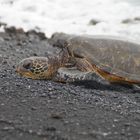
(73, 16)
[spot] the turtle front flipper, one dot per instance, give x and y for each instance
(66, 75)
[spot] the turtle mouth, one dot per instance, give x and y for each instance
(24, 72)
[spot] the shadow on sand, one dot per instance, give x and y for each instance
(90, 84)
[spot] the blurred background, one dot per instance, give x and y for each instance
(110, 17)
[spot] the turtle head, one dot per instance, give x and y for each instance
(35, 68)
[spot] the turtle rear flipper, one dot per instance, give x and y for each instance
(87, 65)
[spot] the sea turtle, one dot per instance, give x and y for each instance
(115, 59)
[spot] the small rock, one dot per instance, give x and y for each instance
(126, 21)
(93, 22)
(56, 116)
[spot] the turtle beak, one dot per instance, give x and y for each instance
(20, 69)
(17, 70)
(24, 66)
(23, 72)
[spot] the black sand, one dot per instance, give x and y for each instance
(45, 110)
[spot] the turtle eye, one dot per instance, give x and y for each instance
(27, 65)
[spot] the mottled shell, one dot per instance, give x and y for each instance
(114, 55)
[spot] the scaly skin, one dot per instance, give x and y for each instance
(114, 59)
(42, 67)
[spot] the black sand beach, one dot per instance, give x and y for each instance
(46, 110)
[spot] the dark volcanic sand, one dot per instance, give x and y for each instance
(45, 110)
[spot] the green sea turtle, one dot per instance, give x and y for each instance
(114, 59)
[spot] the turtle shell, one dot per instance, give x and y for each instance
(117, 56)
